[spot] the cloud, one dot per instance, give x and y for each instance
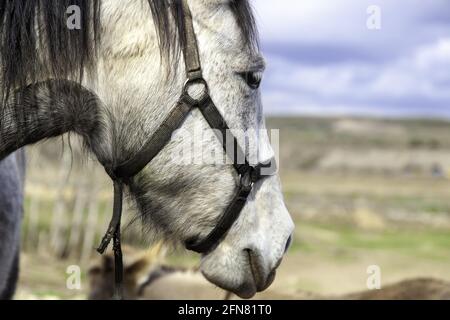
(323, 59)
(344, 22)
(417, 84)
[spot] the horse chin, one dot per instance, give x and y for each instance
(245, 290)
(234, 274)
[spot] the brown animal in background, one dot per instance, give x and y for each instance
(412, 289)
(145, 278)
(136, 265)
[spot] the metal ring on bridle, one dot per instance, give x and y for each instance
(191, 82)
(246, 180)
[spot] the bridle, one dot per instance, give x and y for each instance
(122, 173)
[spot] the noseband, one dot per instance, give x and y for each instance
(122, 173)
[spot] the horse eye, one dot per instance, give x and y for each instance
(253, 79)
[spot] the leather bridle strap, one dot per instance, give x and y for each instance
(190, 46)
(248, 175)
(157, 141)
(122, 173)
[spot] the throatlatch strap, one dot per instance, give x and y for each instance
(113, 232)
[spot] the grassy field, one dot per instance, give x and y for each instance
(361, 191)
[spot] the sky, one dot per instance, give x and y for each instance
(347, 57)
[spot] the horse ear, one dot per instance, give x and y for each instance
(148, 258)
(137, 267)
(156, 252)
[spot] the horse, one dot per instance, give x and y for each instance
(12, 174)
(111, 72)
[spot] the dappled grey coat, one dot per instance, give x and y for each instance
(12, 171)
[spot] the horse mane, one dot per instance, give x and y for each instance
(34, 34)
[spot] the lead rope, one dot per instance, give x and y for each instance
(113, 233)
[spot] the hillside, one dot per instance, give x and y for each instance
(369, 145)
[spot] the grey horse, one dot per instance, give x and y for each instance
(12, 174)
(114, 80)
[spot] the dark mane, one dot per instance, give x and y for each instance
(67, 52)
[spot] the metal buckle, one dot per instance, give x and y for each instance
(193, 81)
(246, 181)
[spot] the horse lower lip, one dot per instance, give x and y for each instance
(260, 283)
(245, 291)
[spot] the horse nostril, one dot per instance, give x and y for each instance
(288, 243)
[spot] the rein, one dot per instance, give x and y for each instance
(248, 174)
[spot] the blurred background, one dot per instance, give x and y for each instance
(360, 94)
